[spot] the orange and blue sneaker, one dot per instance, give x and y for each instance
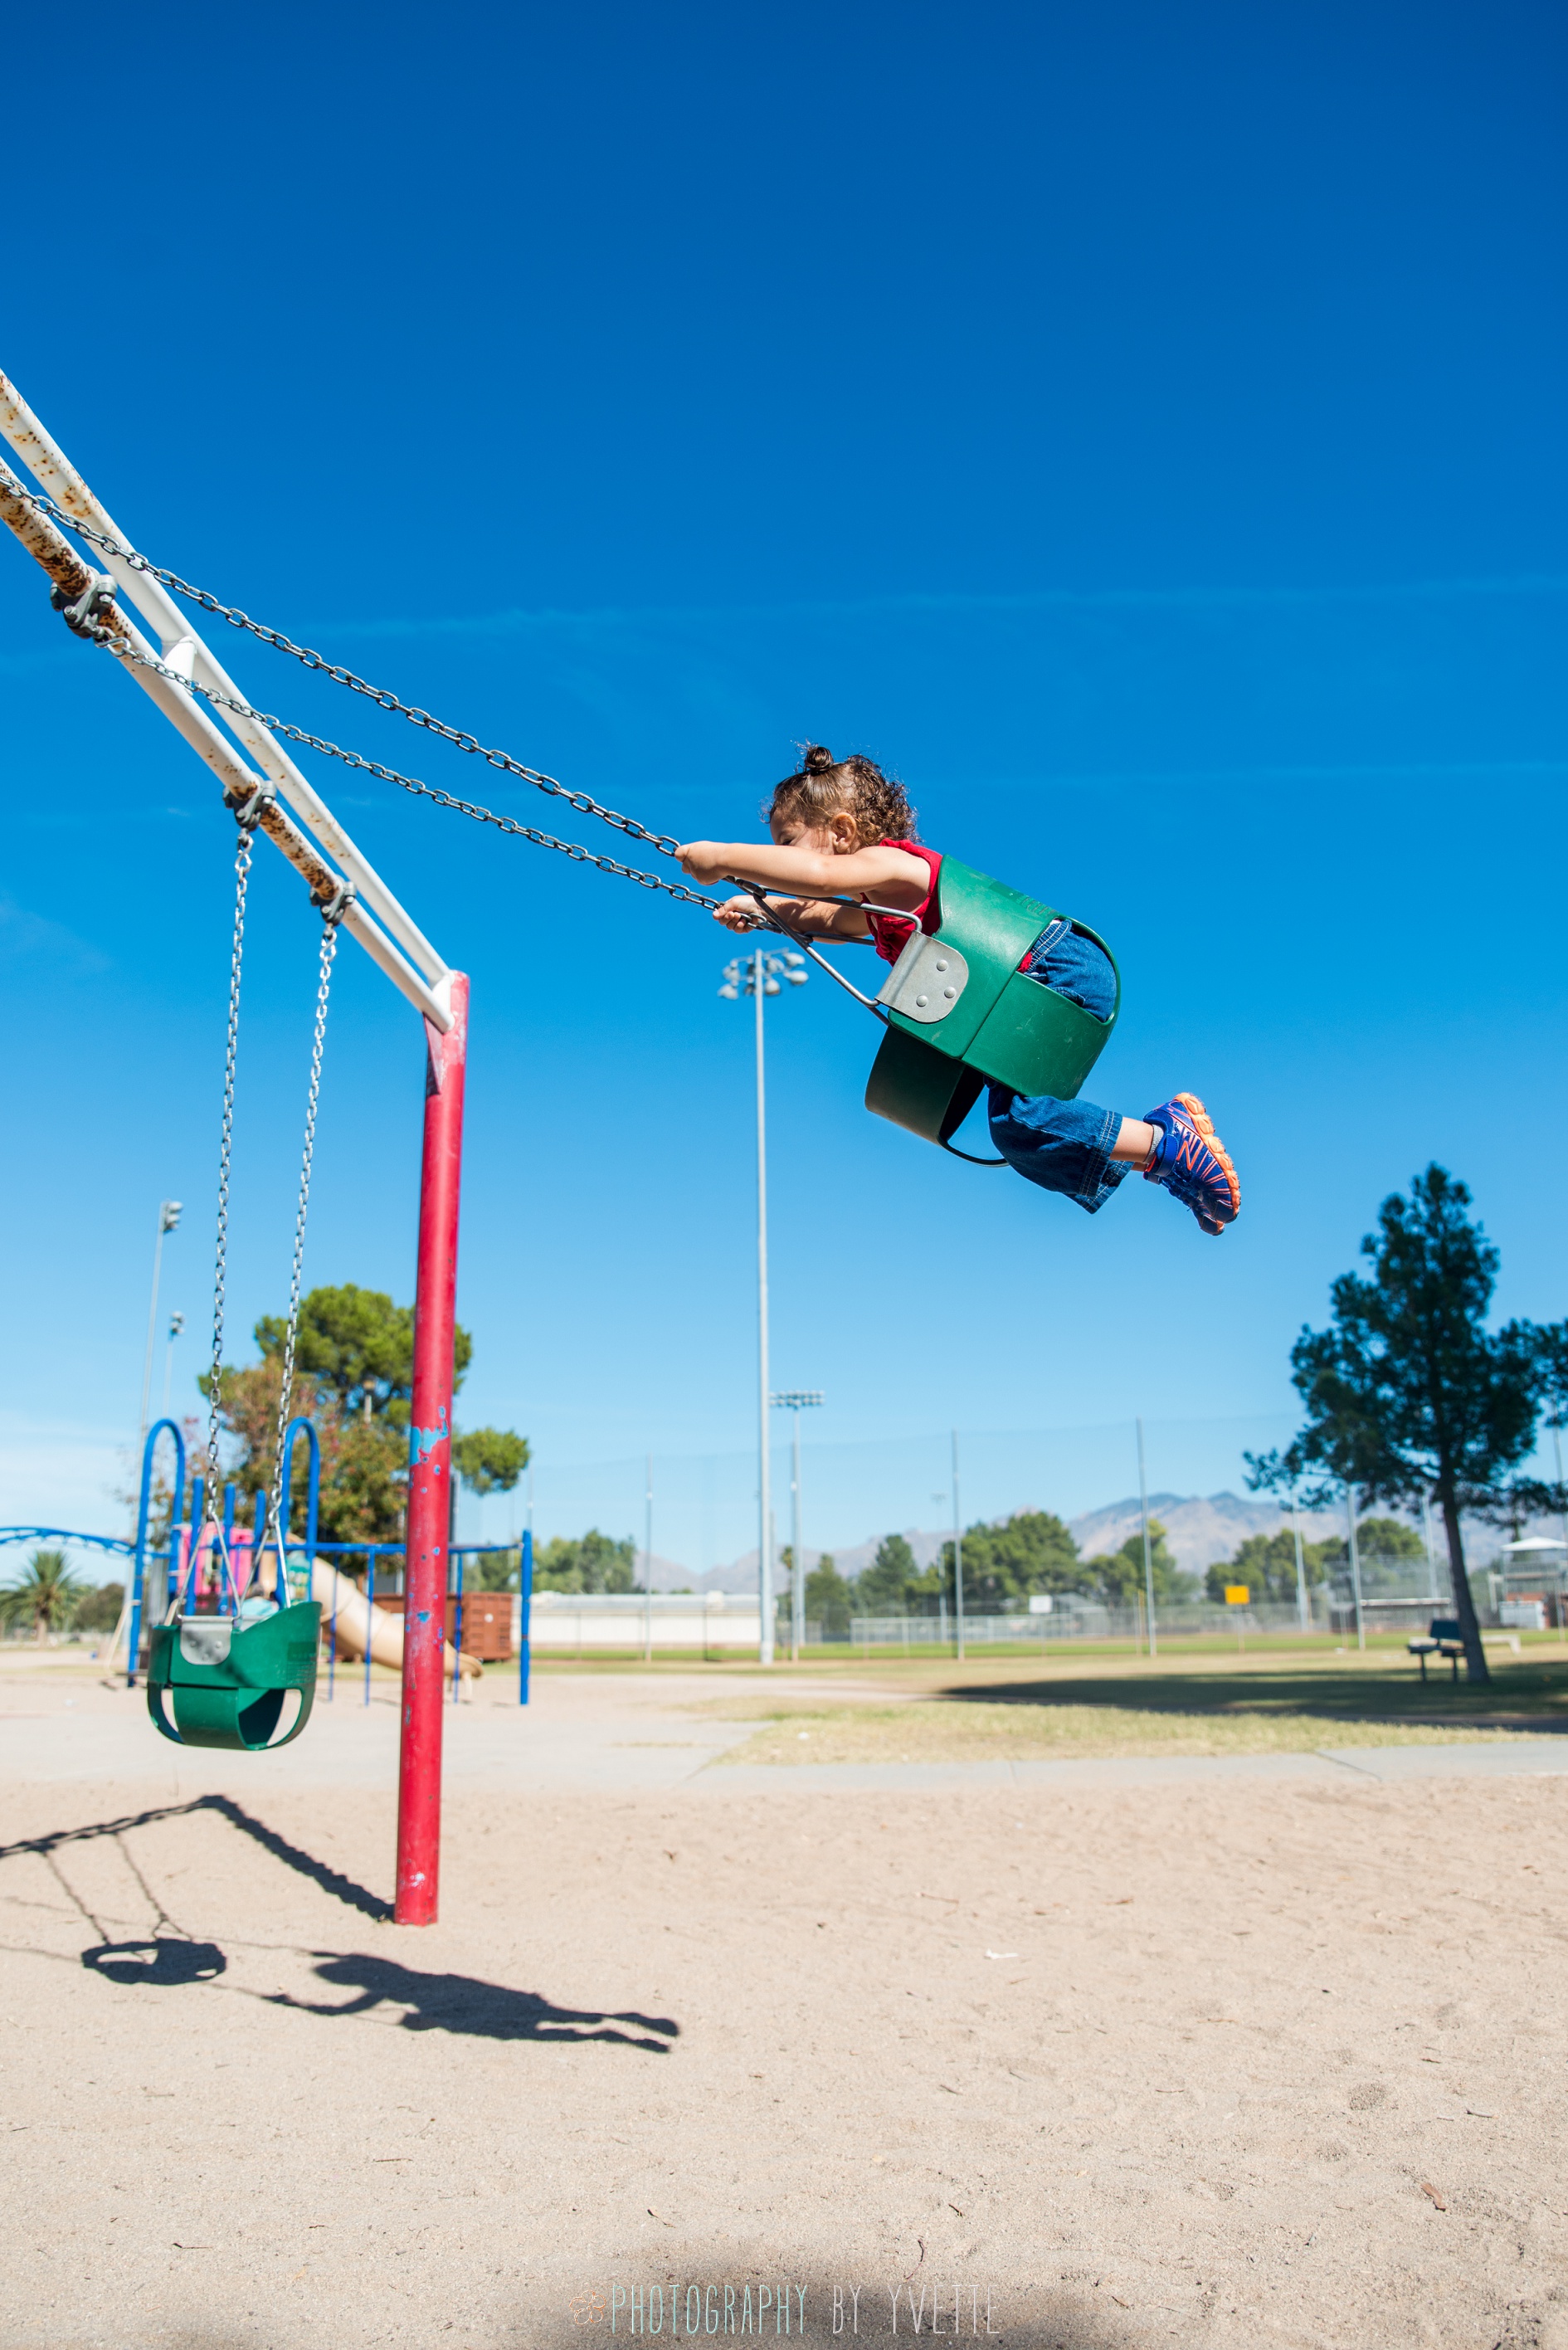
(1192, 1163)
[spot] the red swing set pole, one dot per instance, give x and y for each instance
(430, 1472)
(298, 821)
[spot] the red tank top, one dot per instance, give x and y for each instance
(892, 933)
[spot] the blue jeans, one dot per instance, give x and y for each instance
(1063, 1146)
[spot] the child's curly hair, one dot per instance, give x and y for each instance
(823, 785)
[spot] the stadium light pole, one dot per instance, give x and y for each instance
(169, 1214)
(958, 1554)
(1355, 1566)
(762, 973)
(796, 1400)
(647, 1565)
(1147, 1544)
(1304, 1604)
(176, 1324)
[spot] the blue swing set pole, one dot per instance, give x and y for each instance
(525, 1595)
(139, 1573)
(369, 1609)
(457, 1628)
(300, 1426)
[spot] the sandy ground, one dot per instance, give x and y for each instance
(1257, 2060)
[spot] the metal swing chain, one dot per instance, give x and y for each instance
(313, 1096)
(236, 962)
(412, 783)
(583, 803)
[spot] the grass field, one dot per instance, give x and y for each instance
(932, 1732)
(1253, 1705)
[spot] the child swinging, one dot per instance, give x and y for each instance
(841, 828)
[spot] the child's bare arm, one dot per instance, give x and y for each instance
(811, 920)
(890, 877)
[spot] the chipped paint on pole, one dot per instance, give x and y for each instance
(430, 1472)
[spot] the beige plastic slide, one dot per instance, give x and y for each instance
(344, 1605)
(385, 1630)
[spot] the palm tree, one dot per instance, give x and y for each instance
(47, 1592)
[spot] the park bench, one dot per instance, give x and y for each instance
(1442, 1639)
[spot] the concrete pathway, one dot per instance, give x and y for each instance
(618, 1734)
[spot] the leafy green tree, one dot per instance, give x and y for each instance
(98, 1611)
(1266, 1564)
(354, 1378)
(1031, 1551)
(493, 1570)
(43, 1594)
(829, 1600)
(1379, 1538)
(491, 1461)
(1408, 1393)
(359, 1346)
(585, 1563)
(364, 1462)
(488, 1460)
(1118, 1579)
(882, 1588)
(1380, 1542)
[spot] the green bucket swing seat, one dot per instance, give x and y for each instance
(227, 1681)
(961, 1015)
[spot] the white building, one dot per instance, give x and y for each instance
(561, 1620)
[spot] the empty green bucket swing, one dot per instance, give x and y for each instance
(226, 1668)
(227, 1679)
(227, 1674)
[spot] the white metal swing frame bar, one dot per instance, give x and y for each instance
(388, 933)
(301, 826)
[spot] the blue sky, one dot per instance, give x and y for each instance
(1141, 428)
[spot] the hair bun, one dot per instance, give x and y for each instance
(817, 758)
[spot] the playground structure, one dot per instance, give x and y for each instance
(350, 1618)
(956, 1009)
(961, 1005)
(264, 788)
(355, 1622)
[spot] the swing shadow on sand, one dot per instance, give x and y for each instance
(161, 1959)
(469, 2006)
(292, 1855)
(464, 2004)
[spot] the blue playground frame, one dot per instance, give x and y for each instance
(180, 1526)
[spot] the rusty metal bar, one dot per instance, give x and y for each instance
(57, 555)
(46, 543)
(49, 466)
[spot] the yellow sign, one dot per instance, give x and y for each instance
(1238, 1595)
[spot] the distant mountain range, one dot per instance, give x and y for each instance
(1201, 1530)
